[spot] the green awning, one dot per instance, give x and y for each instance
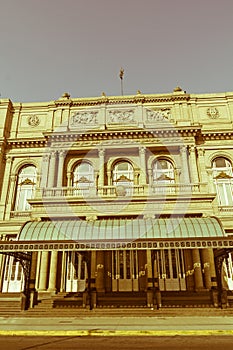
(121, 230)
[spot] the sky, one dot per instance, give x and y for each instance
(48, 47)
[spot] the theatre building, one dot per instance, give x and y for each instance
(117, 201)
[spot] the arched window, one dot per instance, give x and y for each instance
(123, 176)
(122, 172)
(26, 185)
(223, 179)
(83, 177)
(163, 176)
(163, 172)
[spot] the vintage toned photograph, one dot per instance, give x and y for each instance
(116, 174)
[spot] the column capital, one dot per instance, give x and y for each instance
(142, 150)
(13, 178)
(183, 148)
(101, 152)
(200, 151)
(192, 148)
(9, 159)
(61, 153)
(53, 154)
(45, 157)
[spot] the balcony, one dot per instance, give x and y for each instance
(123, 191)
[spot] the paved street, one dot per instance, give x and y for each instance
(120, 324)
(115, 330)
(116, 343)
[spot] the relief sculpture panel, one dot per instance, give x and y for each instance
(84, 118)
(121, 116)
(158, 115)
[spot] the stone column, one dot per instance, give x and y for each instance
(202, 167)
(109, 174)
(206, 267)
(142, 155)
(197, 270)
(43, 272)
(136, 177)
(189, 271)
(52, 169)
(150, 177)
(185, 166)
(44, 171)
(61, 160)
(53, 272)
(212, 186)
(63, 272)
(10, 198)
(101, 167)
(193, 164)
(212, 269)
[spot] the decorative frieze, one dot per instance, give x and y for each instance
(84, 118)
(158, 115)
(33, 120)
(118, 116)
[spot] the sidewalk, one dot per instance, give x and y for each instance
(96, 323)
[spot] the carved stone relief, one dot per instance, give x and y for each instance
(33, 120)
(121, 116)
(158, 115)
(84, 118)
(213, 113)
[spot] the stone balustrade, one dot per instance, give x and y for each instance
(122, 190)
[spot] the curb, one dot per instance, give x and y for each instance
(118, 333)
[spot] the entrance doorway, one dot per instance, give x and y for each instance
(76, 272)
(170, 268)
(13, 277)
(125, 271)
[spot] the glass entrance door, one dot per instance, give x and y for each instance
(76, 272)
(170, 267)
(13, 276)
(125, 271)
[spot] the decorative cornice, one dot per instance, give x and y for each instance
(131, 135)
(133, 99)
(27, 143)
(215, 135)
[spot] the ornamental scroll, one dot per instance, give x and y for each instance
(121, 116)
(158, 115)
(84, 118)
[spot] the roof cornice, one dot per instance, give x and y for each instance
(133, 99)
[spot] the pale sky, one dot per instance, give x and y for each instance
(49, 47)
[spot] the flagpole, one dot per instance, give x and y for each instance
(121, 75)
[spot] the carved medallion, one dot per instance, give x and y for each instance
(33, 120)
(158, 115)
(121, 116)
(213, 113)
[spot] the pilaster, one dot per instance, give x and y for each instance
(52, 169)
(193, 164)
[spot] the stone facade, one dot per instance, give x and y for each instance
(116, 158)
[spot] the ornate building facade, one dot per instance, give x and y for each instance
(117, 201)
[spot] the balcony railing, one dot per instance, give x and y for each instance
(123, 190)
(226, 209)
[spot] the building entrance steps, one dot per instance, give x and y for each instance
(73, 313)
